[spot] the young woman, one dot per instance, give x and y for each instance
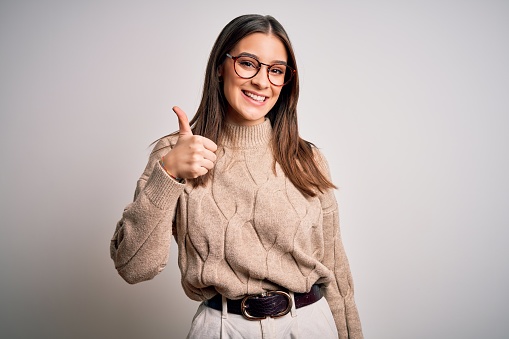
(249, 202)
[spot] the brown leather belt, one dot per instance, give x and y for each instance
(269, 304)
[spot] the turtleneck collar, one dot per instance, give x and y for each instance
(238, 136)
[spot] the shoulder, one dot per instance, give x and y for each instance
(320, 160)
(327, 197)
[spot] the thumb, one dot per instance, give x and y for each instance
(184, 128)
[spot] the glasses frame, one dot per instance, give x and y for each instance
(234, 58)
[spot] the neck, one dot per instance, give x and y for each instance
(240, 136)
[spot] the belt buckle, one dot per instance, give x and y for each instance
(248, 316)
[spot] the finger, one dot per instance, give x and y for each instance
(206, 163)
(202, 171)
(209, 155)
(209, 144)
(184, 128)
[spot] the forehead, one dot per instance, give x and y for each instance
(266, 47)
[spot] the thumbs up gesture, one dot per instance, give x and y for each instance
(193, 155)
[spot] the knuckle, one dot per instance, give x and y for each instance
(197, 139)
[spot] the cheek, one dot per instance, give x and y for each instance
(276, 93)
(232, 87)
(229, 91)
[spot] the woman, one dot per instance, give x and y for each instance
(248, 201)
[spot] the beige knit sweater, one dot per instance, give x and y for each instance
(249, 230)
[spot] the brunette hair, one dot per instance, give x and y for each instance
(294, 154)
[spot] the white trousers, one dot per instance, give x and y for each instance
(312, 321)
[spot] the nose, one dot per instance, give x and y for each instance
(262, 78)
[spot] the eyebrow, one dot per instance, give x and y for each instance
(274, 62)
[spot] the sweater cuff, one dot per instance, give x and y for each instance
(161, 189)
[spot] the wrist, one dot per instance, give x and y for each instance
(177, 179)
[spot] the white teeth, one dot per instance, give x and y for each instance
(255, 97)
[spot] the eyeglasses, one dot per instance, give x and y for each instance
(248, 67)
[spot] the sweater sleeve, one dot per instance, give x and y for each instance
(339, 293)
(140, 244)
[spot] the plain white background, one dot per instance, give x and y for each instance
(407, 99)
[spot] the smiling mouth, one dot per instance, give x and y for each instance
(254, 96)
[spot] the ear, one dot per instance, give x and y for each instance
(220, 70)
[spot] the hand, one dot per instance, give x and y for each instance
(193, 155)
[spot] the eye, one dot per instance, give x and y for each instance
(278, 69)
(247, 62)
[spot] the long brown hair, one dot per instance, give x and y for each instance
(294, 154)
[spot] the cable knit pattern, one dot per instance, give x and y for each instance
(248, 231)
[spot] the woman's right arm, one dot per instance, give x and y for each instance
(140, 244)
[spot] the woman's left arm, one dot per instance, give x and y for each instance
(339, 293)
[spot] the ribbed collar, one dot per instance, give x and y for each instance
(237, 136)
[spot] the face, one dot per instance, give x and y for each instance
(249, 100)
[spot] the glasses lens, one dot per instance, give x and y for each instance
(280, 74)
(246, 67)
